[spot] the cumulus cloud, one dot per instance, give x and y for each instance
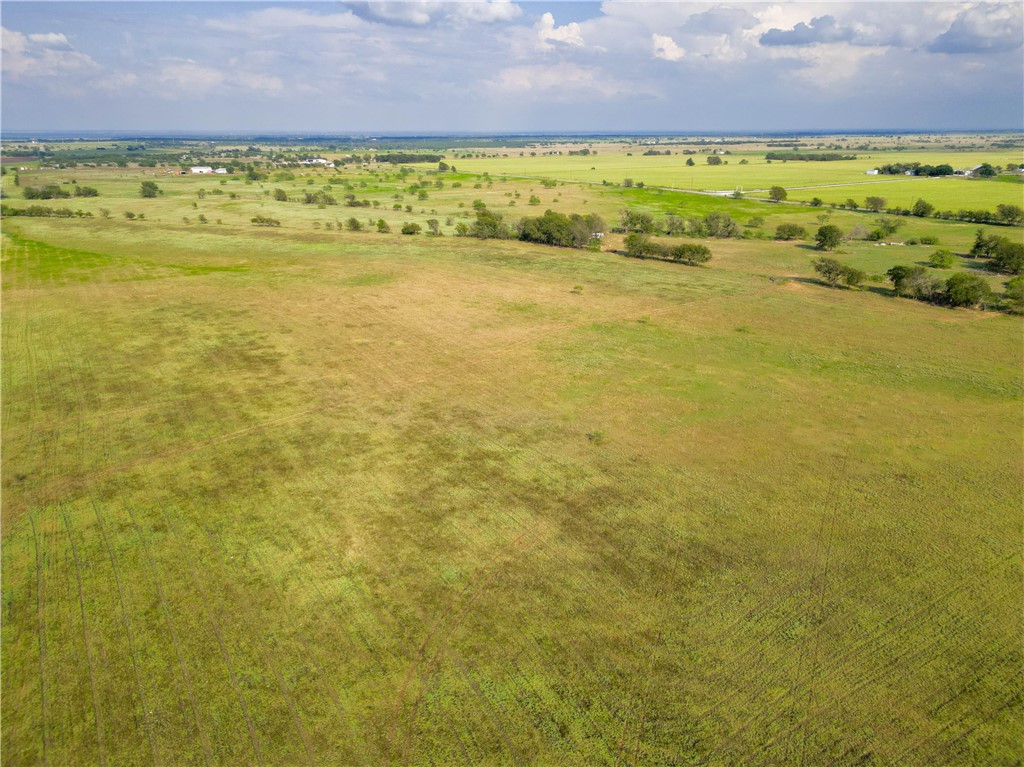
(420, 13)
(984, 28)
(569, 34)
(823, 29)
(720, 21)
(40, 56)
(569, 81)
(666, 48)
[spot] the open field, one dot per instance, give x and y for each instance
(759, 174)
(298, 495)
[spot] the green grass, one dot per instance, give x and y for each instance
(299, 496)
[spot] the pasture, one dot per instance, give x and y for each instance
(302, 495)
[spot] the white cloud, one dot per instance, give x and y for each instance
(420, 13)
(188, 77)
(276, 21)
(569, 80)
(41, 56)
(568, 34)
(666, 48)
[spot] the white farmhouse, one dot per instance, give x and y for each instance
(221, 170)
(200, 170)
(872, 172)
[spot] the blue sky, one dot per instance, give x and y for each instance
(503, 66)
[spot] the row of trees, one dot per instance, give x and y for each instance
(715, 224)
(959, 290)
(1012, 215)
(644, 246)
(916, 169)
(56, 192)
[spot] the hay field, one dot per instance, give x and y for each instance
(295, 496)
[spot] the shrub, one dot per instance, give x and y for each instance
(942, 259)
(411, 228)
(828, 237)
(265, 221)
(834, 272)
(964, 289)
(790, 232)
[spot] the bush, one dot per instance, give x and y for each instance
(942, 259)
(834, 272)
(828, 237)
(1007, 257)
(553, 228)
(411, 228)
(265, 221)
(48, 192)
(790, 232)
(966, 289)
(640, 245)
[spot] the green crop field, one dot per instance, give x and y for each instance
(301, 495)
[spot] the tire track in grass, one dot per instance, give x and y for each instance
(827, 530)
(215, 626)
(101, 752)
(41, 636)
(218, 439)
(165, 612)
(408, 329)
(887, 635)
(147, 724)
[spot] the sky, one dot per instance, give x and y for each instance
(504, 66)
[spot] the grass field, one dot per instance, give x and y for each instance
(759, 174)
(294, 496)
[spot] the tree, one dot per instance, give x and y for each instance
(280, 195)
(830, 269)
(817, 202)
(634, 221)
(714, 159)
(353, 224)
(851, 203)
(964, 289)
(1015, 294)
(627, 182)
(488, 225)
(435, 226)
(411, 228)
(382, 226)
(534, 199)
(790, 232)
(942, 259)
(915, 282)
(986, 170)
(778, 193)
(829, 237)
(149, 189)
(720, 225)
(674, 225)
(1007, 257)
(875, 204)
(922, 209)
(689, 162)
(1011, 214)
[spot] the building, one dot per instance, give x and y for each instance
(872, 172)
(221, 170)
(202, 170)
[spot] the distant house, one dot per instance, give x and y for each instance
(872, 172)
(221, 170)
(200, 170)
